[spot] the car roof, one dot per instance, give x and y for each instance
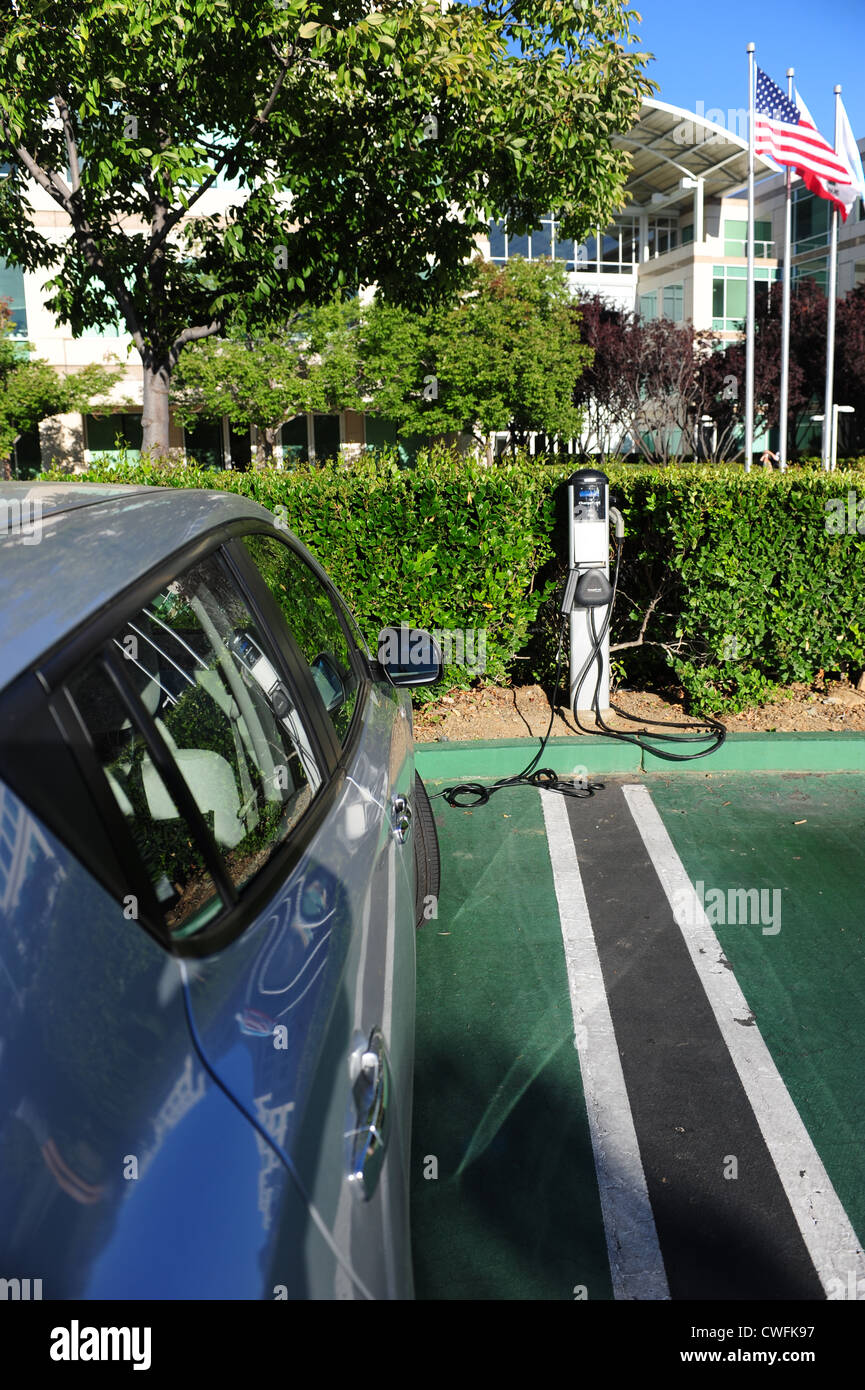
(68, 549)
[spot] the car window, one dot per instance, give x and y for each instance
(312, 619)
(203, 673)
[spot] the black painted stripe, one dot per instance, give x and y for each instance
(720, 1237)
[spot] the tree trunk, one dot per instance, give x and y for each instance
(155, 415)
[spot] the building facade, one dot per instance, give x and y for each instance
(677, 250)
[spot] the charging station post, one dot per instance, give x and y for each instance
(588, 588)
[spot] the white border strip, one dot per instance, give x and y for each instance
(636, 1264)
(825, 1226)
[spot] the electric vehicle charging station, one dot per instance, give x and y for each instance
(589, 588)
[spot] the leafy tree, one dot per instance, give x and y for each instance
(311, 364)
(31, 390)
(360, 146)
(643, 385)
(505, 357)
(850, 367)
(652, 381)
(600, 392)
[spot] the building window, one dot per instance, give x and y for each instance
(326, 436)
(674, 303)
(532, 246)
(816, 270)
(616, 252)
(687, 234)
(736, 239)
(12, 290)
(649, 306)
(205, 444)
(295, 440)
(27, 455)
(730, 292)
(811, 216)
(102, 432)
(663, 235)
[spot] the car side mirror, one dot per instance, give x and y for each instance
(409, 656)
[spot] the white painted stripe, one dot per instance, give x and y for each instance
(829, 1237)
(636, 1264)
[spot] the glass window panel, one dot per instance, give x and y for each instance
(12, 289)
(310, 617)
(203, 442)
(295, 448)
(718, 298)
(564, 249)
(172, 858)
(326, 436)
(673, 302)
(736, 299)
(103, 431)
(205, 675)
(610, 251)
(542, 241)
(590, 259)
(241, 447)
(518, 246)
(497, 241)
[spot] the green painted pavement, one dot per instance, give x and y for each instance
(805, 983)
(514, 1212)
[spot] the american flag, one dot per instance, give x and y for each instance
(786, 133)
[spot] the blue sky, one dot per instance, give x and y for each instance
(700, 51)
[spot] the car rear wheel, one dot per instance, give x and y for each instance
(426, 855)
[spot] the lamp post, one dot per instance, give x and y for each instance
(833, 446)
(705, 422)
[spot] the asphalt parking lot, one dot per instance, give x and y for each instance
(639, 1043)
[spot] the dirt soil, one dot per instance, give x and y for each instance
(524, 712)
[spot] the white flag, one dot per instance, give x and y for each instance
(849, 152)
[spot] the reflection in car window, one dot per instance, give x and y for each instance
(205, 676)
(311, 617)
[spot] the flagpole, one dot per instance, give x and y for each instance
(749, 321)
(828, 411)
(785, 311)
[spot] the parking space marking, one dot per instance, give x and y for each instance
(636, 1263)
(826, 1230)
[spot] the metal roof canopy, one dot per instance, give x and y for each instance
(668, 144)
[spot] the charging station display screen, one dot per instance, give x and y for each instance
(589, 502)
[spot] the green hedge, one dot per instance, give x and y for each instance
(748, 586)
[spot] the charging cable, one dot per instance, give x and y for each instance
(532, 775)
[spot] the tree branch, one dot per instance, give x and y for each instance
(71, 144)
(226, 163)
(640, 641)
(50, 183)
(192, 335)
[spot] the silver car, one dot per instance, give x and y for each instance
(214, 852)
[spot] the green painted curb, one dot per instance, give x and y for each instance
(493, 758)
(505, 757)
(776, 753)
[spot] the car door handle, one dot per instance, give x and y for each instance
(366, 1137)
(400, 817)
